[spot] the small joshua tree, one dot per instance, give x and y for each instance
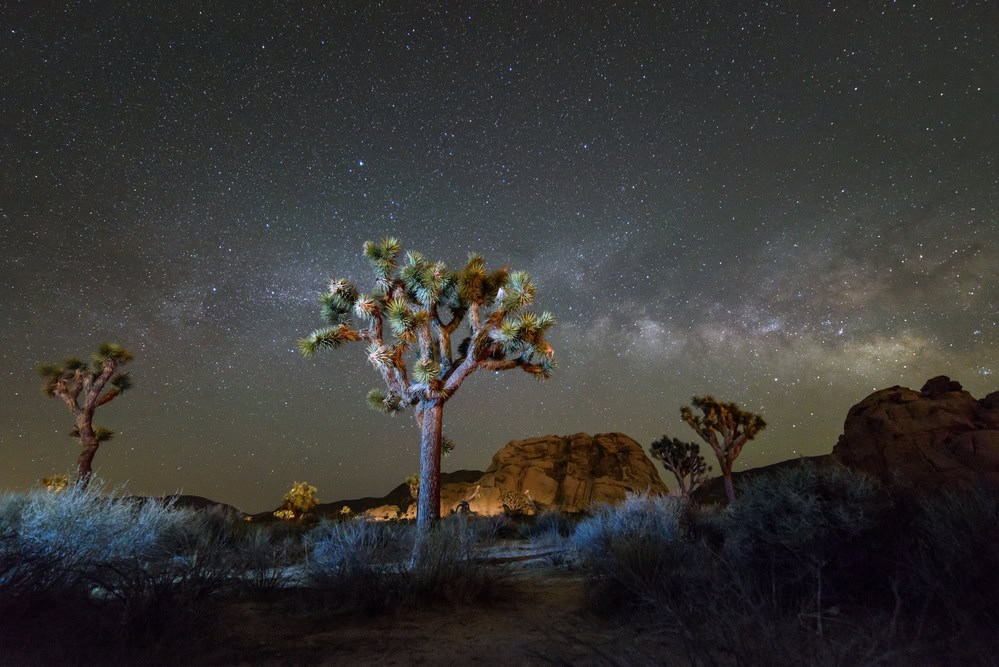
(424, 304)
(74, 379)
(684, 460)
(298, 502)
(726, 428)
(55, 483)
(413, 482)
(517, 503)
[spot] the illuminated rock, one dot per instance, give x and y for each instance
(568, 473)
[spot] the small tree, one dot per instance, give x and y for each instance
(55, 483)
(413, 482)
(75, 379)
(684, 460)
(298, 502)
(424, 304)
(726, 428)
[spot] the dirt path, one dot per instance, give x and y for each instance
(539, 618)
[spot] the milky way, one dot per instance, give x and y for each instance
(783, 204)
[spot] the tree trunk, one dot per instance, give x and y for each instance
(428, 506)
(84, 471)
(729, 487)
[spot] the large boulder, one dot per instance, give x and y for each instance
(937, 436)
(568, 473)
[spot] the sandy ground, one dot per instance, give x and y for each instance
(540, 618)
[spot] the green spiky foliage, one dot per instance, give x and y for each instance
(413, 482)
(726, 428)
(84, 387)
(684, 460)
(408, 320)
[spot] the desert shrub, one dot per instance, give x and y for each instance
(635, 552)
(661, 519)
(448, 566)
(58, 541)
(952, 559)
(370, 565)
(262, 555)
(488, 529)
(555, 547)
(801, 531)
(88, 576)
(352, 562)
(546, 522)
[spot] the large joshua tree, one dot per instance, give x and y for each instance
(726, 428)
(97, 384)
(424, 305)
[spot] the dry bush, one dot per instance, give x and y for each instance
(371, 566)
(88, 576)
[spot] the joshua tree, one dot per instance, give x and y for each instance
(424, 304)
(684, 460)
(55, 483)
(74, 379)
(726, 428)
(298, 502)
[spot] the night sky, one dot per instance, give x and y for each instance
(785, 204)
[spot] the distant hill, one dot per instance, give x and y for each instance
(192, 502)
(398, 496)
(713, 492)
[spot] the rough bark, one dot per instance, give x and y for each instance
(84, 464)
(428, 505)
(727, 474)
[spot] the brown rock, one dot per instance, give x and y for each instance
(927, 439)
(568, 473)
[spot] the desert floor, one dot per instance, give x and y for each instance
(539, 617)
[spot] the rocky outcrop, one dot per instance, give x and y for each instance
(568, 473)
(939, 435)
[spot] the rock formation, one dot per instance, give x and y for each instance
(937, 436)
(567, 473)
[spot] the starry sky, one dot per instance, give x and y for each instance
(785, 204)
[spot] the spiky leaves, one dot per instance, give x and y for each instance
(101, 433)
(327, 338)
(122, 382)
(386, 403)
(471, 280)
(111, 353)
(336, 304)
(525, 336)
(379, 356)
(383, 257)
(365, 307)
(519, 292)
(543, 369)
(72, 364)
(405, 321)
(447, 445)
(426, 370)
